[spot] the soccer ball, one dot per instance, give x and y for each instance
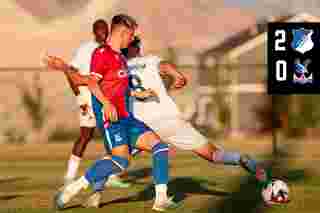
(276, 192)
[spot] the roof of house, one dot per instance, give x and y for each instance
(246, 40)
(261, 38)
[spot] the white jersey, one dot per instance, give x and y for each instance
(144, 72)
(161, 115)
(82, 60)
(82, 57)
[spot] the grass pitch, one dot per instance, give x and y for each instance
(30, 175)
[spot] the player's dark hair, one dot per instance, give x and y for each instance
(96, 24)
(123, 20)
(135, 43)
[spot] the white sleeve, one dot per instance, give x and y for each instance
(155, 62)
(77, 59)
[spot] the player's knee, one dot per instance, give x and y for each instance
(160, 148)
(217, 154)
(119, 163)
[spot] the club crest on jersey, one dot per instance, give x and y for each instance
(301, 74)
(118, 137)
(102, 49)
(302, 41)
(122, 73)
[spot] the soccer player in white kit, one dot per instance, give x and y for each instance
(164, 117)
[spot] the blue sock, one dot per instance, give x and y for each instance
(227, 158)
(98, 174)
(234, 158)
(160, 163)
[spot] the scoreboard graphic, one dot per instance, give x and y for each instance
(293, 58)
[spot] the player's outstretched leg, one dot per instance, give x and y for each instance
(186, 137)
(95, 176)
(216, 154)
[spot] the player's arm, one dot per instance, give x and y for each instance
(109, 110)
(93, 85)
(170, 69)
(72, 84)
(97, 71)
(73, 76)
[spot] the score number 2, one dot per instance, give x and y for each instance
(280, 40)
(281, 65)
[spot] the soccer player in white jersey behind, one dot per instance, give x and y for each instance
(164, 117)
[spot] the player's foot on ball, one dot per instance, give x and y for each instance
(165, 205)
(93, 201)
(116, 182)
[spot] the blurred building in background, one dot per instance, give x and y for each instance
(234, 75)
(224, 60)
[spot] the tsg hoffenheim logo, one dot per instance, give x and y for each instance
(301, 74)
(302, 41)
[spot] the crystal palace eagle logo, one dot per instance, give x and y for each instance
(301, 74)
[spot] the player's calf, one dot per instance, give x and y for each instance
(235, 158)
(86, 134)
(151, 142)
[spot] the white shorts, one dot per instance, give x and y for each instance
(178, 132)
(87, 118)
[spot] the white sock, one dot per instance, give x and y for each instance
(74, 188)
(161, 193)
(73, 166)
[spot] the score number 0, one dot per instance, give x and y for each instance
(281, 65)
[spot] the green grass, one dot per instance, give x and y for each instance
(31, 174)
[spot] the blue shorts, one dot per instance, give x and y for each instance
(124, 131)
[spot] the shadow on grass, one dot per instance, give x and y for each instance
(12, 179)
(135, 175)
(10, 197)
(247, 198)
(179, 187)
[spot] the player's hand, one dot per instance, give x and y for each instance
(170, 69)
(148, 93)
(55, 63)
(110, 112)
(180, 82)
